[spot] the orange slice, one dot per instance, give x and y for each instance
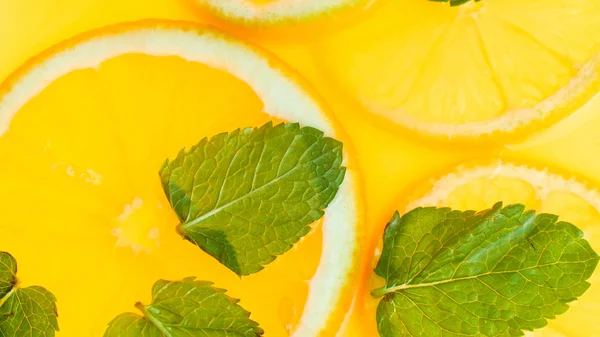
(479, 185)
(269, 12)
(493, 69)
(84, 128)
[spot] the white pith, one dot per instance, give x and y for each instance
(509, 121)
(272, 11)
(542, 181)
(283, 98)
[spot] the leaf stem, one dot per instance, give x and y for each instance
(141, 307)
(7, 296)
(12, 291)
(380, 292)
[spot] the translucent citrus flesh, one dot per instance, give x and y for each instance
(567, 198)
(419, 63)
(82, 206)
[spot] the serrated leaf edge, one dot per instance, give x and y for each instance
(395, 221)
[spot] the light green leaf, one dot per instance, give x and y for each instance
(492, 273)
(250, 195)
(27, 312)
(186, 308)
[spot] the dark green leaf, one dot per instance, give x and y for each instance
(248, 196)
(186, 308)
(492, 273)
(27, 312)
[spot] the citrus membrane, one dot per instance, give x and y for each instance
(84, 129)
(493, 69)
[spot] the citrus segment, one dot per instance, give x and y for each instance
(478, 186)
(483, 68)
(268, 12)
(86, 126)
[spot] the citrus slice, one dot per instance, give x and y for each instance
(268, 12)
(479, 186)
(84, 129)
(491, 68)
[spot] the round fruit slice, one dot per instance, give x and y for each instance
(487, 68)
(84, 129)
(478, 187)
(267, 12)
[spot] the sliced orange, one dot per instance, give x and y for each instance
(84, 129)
(493, 68)
(478, 186)
(270, 12)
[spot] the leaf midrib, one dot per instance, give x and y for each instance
(158, 324)
(385, 290)
(207, 215)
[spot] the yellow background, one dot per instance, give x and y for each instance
(391, 163)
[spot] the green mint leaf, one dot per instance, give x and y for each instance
(27, 312)
(187, 308)
(455, 2)
(8, 273)
(492, 273)
(250, 195)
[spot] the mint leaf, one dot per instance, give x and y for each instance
(492, 273)
(27, 312)
(455, 2)
(186, 308)
(8, 273)
(248, 196)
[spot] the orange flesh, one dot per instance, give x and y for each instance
(83, 209)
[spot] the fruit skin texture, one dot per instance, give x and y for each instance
(340, 289)
(276, 13)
